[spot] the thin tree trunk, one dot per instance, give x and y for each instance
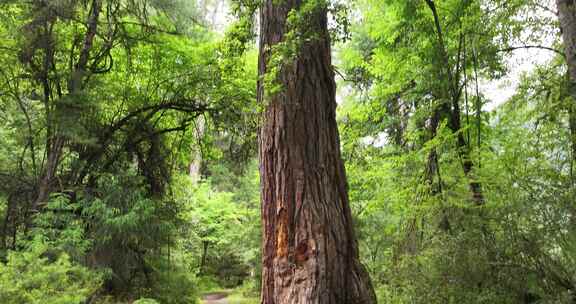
(55, 141)
(44, 187)
(10, 222)
(310, 254)
(572, 122)
(454, 121)
(205, 245)
(196, 156)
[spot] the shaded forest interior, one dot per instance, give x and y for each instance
(287, 151)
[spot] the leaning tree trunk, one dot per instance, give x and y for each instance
(567, 18)
(56, 141)
(310, 254)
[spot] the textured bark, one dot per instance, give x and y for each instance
(310, 254)
(54, 152)
(9, 226)
(567, 18)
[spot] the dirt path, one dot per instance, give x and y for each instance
(215, 298)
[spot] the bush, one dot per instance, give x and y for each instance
(33, 278)
(171, 283)
(208, 283)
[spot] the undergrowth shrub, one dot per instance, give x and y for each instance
(35, 277)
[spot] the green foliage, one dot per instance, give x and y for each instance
(39, 275)
(209, 284)
(112, 135)
(422, 236)
(223, 232)
(110, 141)
(241, 298)
(61, 228)
(171, 280)
(145, 301)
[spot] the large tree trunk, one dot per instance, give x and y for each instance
(567, 18)
(310, 254)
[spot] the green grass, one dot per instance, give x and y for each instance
(244, 294)
(238, 298)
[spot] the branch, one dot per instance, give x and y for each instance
(77, 78)
(92, 23)
(442, 46)
(545, 8)
(341, 75)
(178, 106)
(541, 47)
(151, 28)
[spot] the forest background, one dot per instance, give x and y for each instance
(129, 164)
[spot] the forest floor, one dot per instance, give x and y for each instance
(220, 297)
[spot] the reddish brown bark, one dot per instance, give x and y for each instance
(567, 18)
(310, 254)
